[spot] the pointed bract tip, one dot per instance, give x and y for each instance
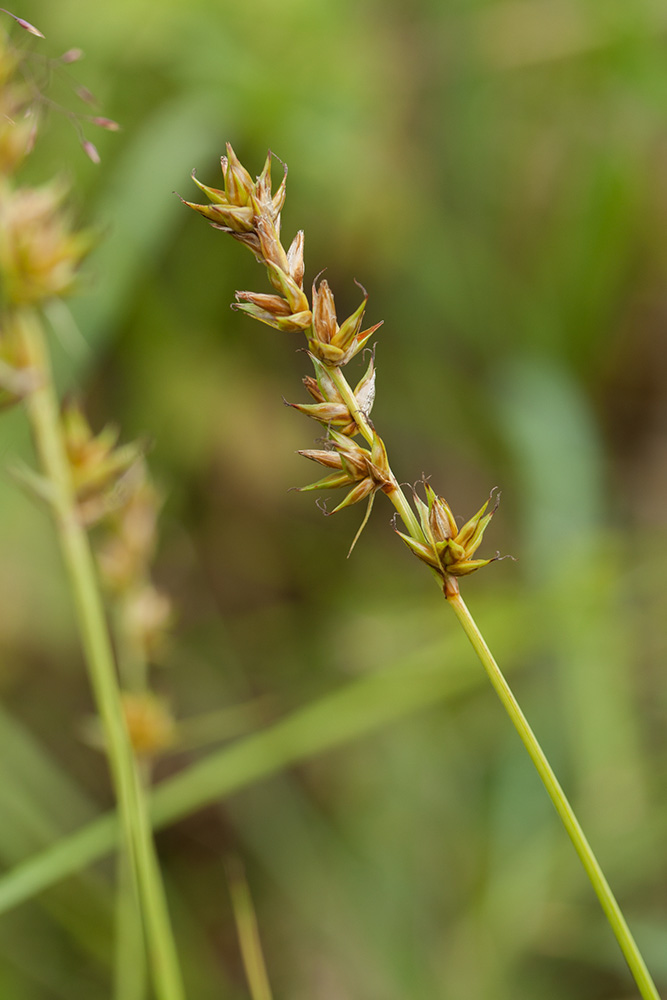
(274, 156)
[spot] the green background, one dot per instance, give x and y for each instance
(494, 174)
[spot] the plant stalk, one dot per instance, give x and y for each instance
(591, 865)
(602, 889)
(44, 415)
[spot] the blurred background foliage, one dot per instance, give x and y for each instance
(493, 172)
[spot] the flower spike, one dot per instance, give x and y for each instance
(447, 549)
(250, 212)
(331, 343)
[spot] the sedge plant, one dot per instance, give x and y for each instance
(355, 457)
(85, 479)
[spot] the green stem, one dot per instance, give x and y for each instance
(44, 414)
(248, 934)
(130, 973)
(557, 795)
(130, 956)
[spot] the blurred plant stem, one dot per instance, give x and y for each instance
(602, 889)
(248, 932)
(354, 711)
(130, 980)
(130, 955)
(44, 415)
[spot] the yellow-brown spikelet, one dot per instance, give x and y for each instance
(446, 548)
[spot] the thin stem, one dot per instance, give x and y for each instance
(130, 956)
(43, 411)
(395, 493)
(248, 934)
(557, 795)
(130, 981)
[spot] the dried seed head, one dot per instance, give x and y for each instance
(243, 204)
(125, 553)
(266, 204)
(313, 388)
(330, 414)
(150, 724)
(18, 127)
(442, 522)
(365, 471)
(273, 304)
(148, 615)
(356, 464)
(295, 265)
(229, 218)
(272, 310)
(239, 186)
(325, 326)
(287, 287)
(330, 459)
(17, 378)
(98, 467)
(445, 547)
(273, 252)
(331, 343)
(39, 251)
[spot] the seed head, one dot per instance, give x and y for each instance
(239, 207)
(18, 127)
(150, 724)
(331, 343)
(125, 553)
(366, 471)
(445, 547)
(98, 466)
(39, 251)
(148, 615)
(329, 407)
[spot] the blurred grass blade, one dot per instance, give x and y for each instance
(356, 710)
(248, 932)
(160, 155)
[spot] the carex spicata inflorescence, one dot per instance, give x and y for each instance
(250, 212)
